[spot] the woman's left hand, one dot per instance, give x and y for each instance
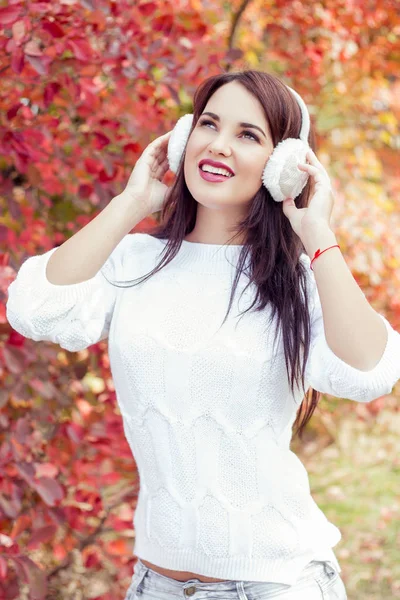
(319, 209)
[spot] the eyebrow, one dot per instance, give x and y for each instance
(216, 117)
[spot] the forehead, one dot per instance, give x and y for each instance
(233, 102)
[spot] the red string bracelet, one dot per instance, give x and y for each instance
(318, 253)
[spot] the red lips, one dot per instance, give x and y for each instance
(216, 164)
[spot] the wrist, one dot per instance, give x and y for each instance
(318, 238)
(131, 204)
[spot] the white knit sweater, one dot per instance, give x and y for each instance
(207, 411)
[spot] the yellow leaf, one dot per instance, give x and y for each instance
(386, 137)
(252, 58)
(387, 118)
(93, 383)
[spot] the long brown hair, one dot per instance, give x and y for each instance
(272, 246)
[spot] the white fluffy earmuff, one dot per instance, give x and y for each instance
(281, 176)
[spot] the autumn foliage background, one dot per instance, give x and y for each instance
(84, 87)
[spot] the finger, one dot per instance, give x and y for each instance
(312, 157)
(310, 168)
(159, 143)
(318, 173)
(160, 157)
(162, 139)
(314, 168)
(161, 170)
(317, 177)
(157, 154)
(157, 164)
(164, 164)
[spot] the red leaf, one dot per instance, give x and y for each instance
(42, 535)
(58, 515)
(101, 140)
(32, 49)
(23, 429)
(41, 65)
(119, 547)
(147, 9)
(46, 469)
(75, 432)
(13, 360)
(104, 176)
(34, 577)
(163, 23)
(132, 147)
(39, 8)
(19, 31)
(10, 507)
(3, 568)
(10, 45)
(17, 142)
(13, 111)
(9, 14)
(20, 525)
(85, 190)
(15, 339)
(49, 489)
(81, 49)
(92, 560)
(53, 28)
(50, 91)
(93, 166)
(26, 470)
(18, 60)
(44, 388)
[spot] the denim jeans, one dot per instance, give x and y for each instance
(318, 581)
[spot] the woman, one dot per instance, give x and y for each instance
(209, 400)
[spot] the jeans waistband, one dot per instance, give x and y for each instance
(171, 585)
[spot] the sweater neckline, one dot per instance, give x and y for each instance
(214, 259)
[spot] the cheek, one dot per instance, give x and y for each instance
(193, 145)
(253, 165)
(193, 152)
(264, 160)
(189, 153)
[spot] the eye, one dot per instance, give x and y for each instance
(245, 132)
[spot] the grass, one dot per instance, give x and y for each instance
(352, 455)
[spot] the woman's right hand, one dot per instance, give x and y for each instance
(145, 182)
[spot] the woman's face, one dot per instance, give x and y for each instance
(244, 149)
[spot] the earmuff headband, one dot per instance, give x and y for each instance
(280, 176)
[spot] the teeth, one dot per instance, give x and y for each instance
(216, 170)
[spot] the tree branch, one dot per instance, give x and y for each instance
(235, 21)
(235, 24)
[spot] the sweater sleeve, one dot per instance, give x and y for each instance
(74, 316)
(327, 373)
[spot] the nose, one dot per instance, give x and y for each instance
(220, 145)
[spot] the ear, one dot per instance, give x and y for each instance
(178, 140)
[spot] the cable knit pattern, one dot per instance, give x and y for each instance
(207, 410)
